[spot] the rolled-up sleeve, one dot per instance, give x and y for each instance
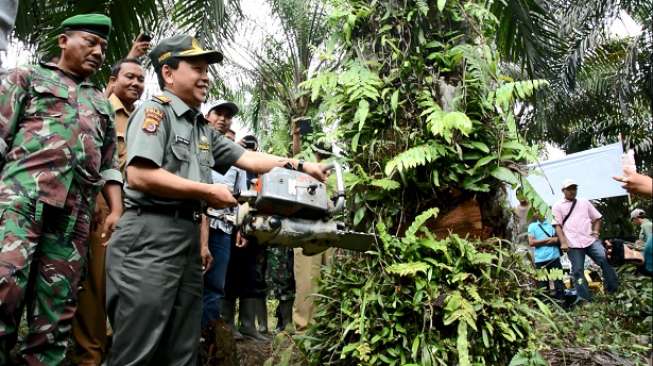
(110, 167)
(112, 175)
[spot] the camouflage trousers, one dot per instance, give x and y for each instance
(42, 256)
(281, 278)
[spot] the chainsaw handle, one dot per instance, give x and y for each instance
(340, 187)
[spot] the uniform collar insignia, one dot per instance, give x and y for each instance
(162, 99)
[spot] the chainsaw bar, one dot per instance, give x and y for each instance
(360, 242)
(354, 240)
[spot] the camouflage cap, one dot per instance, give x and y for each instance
(182, 46)
(97, 24)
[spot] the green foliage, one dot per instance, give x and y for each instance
(537, 203)
(421, 100)
(211, 21)
(435, 302)
(528, 358)
(619, 325)
(407, 269)
(283, 63)
(277, 140)
(414, 157)
(601, 81)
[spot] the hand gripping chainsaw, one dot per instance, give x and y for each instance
(292, 209)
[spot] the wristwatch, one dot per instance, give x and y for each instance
(300, 165)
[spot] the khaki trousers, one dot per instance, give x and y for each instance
(90, 324)
(307, 275)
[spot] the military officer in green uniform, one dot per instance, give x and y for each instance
(57, 151)
(154, 267)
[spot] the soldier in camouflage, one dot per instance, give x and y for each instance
(57, 150)
(281, 280)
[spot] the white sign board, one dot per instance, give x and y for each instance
(592, 169)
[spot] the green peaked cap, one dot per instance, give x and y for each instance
(97, 24)
(182, 46)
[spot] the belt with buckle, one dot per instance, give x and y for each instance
(179, 212)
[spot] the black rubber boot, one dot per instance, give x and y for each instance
(262, 316)
(228, 313)
(284, 314)
(246, 316)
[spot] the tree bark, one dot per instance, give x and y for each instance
(296, 136)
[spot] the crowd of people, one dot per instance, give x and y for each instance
(575, 229)
(113, 208)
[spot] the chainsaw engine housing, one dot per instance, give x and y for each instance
(291, 193)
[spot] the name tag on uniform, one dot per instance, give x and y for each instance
(182, 140)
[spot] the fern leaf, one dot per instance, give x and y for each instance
(537, 203)
(412, 158)
(444, 123)
(407, 269)
(419, 222)
(386, 184)
(509, 92)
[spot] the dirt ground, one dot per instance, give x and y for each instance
(220, 349)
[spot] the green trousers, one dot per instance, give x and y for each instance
(154, 290)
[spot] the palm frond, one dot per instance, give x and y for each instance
(37, 24)
(526, 34)
(210, 21)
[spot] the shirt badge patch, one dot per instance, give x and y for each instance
(204, 144)
(152, 120)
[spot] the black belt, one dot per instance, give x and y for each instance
(178, 212)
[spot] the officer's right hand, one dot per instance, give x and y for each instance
(219, 196)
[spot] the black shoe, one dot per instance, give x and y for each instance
(262, 316)
(284, 314)
(228, 314)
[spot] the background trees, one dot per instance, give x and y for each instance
(211, 21)
(280, 66)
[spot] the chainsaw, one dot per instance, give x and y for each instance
(292, 209)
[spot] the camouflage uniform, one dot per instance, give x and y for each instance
(57, 148)
(280, 275)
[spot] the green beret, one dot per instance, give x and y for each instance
(181, 46)
(97, 24)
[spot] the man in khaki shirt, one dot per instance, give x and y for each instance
(89, 325)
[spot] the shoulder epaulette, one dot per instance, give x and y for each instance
(161, 99)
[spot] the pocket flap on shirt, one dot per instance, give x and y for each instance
(181, 152)
(102, 106)
(42, 86)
